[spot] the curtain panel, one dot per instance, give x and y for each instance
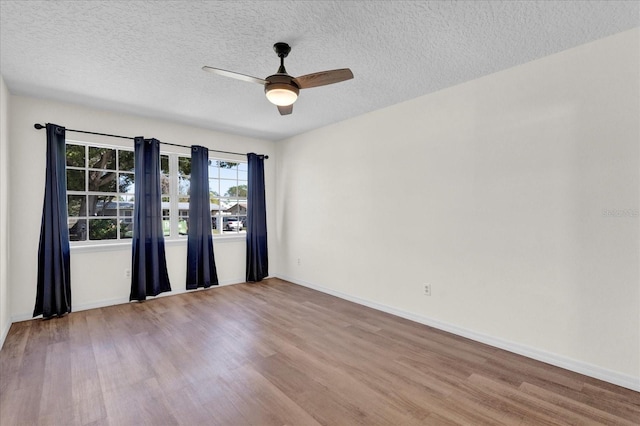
(201, 265)
(53, 290)
(149, 275)
(257, 260)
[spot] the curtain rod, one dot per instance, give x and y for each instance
(40, 126)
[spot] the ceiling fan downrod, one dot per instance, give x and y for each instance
(282, 50)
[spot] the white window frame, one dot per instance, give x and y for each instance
(174, 196)
(220, 232)
(87, 193)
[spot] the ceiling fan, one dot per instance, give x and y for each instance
(281, 88)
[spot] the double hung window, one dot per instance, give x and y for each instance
(228, 195)
(100, 182)
(100, 193)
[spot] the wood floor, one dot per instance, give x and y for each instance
(275, 353)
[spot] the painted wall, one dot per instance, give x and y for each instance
(5, 317)
(515, 196)
(98, 273)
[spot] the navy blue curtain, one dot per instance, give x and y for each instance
(257, 256)
(53, 295)
(149, 275)
(201, 264)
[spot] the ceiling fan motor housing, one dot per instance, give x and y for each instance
(281, 82)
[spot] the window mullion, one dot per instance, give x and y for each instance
(118, 214)
(173, 195)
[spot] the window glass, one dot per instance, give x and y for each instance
(126, 182)
(165, 176)
(125, 161)
(76, 180)
(101, 186)
(99, 193)
(100, 181)
(184, 177)
(228, 196)
(75, 155)
(102, 158)
(76, 205)
(102, 229)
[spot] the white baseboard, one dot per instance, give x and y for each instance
(3, 336)
(620, 379)
(121, 300)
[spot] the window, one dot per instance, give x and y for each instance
(184, 189)
(228, 194)
(100, 193)
(175, 193)
(100, 182)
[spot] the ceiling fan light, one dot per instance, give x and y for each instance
(281, 94)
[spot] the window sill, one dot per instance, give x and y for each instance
(229, 238)
(94, 247)
(217, 239)
(126, 245)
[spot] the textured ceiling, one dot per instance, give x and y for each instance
(145, 57)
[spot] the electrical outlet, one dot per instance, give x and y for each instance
(427, 289)
(127, 273)
(298, 261)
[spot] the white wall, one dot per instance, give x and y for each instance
(5, 319)
(493, 192)
(98, 274)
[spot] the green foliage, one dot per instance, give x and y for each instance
(214, 197)
(75, 203)
(102, 158)
(237, 191)
(75, 180)
(75, 155)
(184, 178)
(226, 164)
(125, 183)
(184, 166)
(126, 161)
(222, 164)
(102, 229)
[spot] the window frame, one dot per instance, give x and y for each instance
(88, 193)
(221, 215)
(174, 212)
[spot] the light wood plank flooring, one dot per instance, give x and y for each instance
(275, 353)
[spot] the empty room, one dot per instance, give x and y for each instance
(319, 212)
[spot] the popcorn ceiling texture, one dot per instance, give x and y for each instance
(145, 57)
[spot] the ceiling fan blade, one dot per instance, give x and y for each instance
(285, 110)
(235, 75)
(323, 78)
